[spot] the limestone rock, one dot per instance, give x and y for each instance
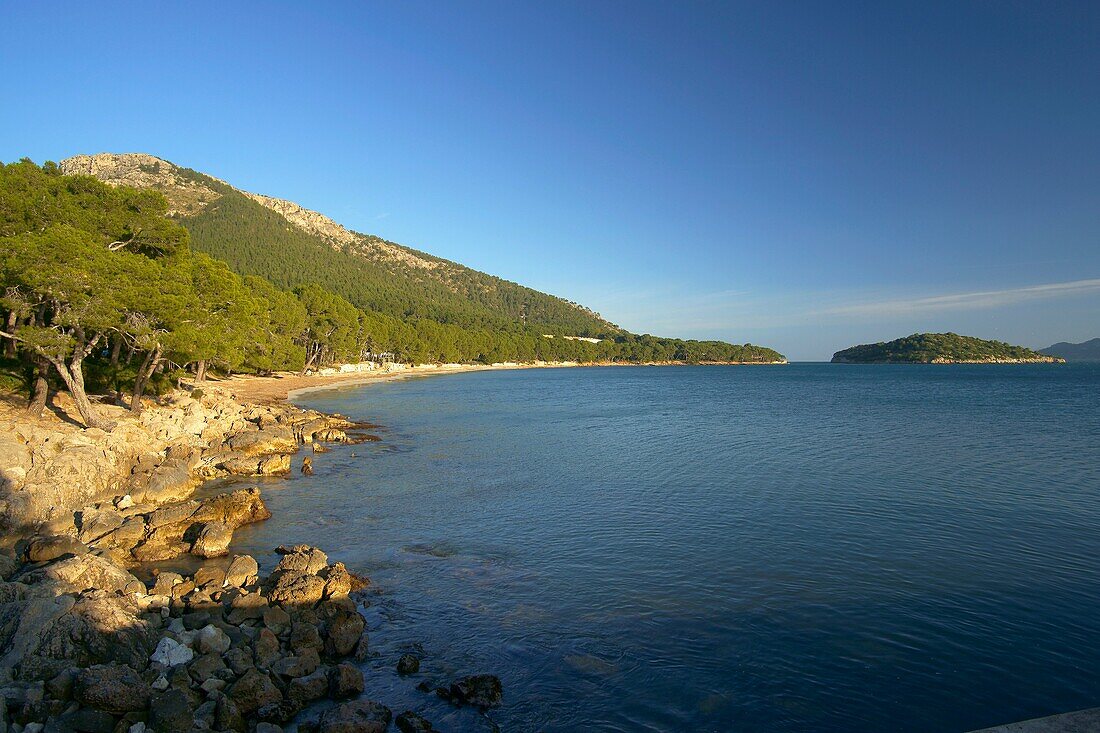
(268, 441)
(213, 540)
(243, 570)
(170, 653)
(297, 589)
(302, 558)
(44, 549)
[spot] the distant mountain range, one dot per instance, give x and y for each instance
(940, 348)
(1086, 351)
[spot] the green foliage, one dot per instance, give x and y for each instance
(925, 348)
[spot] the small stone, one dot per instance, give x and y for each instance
(303, 636)
(408, 664)
(160, 684)
(125, 502)
(301, 558)
(207, 666)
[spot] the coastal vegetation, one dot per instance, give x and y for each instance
(112, 288)
(939, 348)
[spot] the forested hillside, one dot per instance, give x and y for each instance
(106, 289)
(938, 348)
(291, 246)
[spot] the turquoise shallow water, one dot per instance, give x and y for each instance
(802, 548)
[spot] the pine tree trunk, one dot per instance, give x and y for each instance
(40, 394)
(152, 361)
(73, 376)
(9, 344)
(116, 351)
(200, 370)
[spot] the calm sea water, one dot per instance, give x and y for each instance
(800, 548)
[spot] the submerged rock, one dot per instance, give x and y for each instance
(408, 664)
(410, 722)
(480, 690)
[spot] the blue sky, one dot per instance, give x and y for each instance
(802, 175)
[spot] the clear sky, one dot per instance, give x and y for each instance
(803, 175)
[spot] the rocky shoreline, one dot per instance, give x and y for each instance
(85, 645)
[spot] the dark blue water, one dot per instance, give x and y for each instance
(798, 548)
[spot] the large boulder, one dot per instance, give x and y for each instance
(83, 572)
(100, 629)
(358, 716)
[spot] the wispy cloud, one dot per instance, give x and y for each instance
(963, 301)
(383, 215)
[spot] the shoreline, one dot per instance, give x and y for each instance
(288, 386)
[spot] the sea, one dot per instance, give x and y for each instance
(804, 547)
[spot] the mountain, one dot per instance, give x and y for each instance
(1086, 351)
(940, 348)
(293, 246)
(424, 307)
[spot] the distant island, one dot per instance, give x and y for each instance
(1085, 351)
(941, 348)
